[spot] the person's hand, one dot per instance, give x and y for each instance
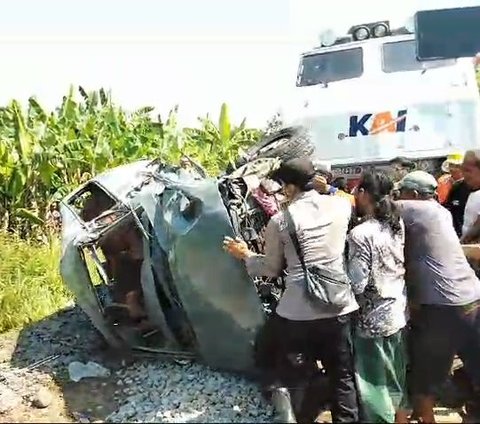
(237, 248)
(472, 251)
(320, 184)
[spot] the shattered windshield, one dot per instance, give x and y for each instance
(330, 67)
(401, 56)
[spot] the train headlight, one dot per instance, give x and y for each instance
(380, 30)
(361, 33)
(374, 29)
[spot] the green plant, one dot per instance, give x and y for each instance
(30, 284)
(217, 146)
(44, 155)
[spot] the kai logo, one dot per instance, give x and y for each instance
(371, 124)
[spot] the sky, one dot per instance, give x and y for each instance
(194, 53)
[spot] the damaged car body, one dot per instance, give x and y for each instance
(142, 252)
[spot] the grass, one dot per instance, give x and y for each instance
(30, 283)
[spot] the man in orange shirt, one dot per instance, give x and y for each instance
(452, 173)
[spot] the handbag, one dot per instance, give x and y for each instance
(322, 286)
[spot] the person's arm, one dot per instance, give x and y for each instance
(450, 198)
(443, 188)
(321, 185)
(272, 263)
(472, 251)
(269, 265)
(473, 234)
(359, 262)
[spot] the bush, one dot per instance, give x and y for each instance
(30, 283)
(44, 155)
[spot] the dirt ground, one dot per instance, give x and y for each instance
(85, 401)
(57, 341)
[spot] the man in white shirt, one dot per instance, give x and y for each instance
(471, 221)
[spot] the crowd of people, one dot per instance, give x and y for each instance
(394, 296)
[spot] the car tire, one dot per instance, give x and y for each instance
(288, 143)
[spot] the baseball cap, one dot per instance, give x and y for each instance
(420, 181)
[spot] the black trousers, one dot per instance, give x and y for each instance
(438, 333)
(282, 342)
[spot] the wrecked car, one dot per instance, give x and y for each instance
(142, 253)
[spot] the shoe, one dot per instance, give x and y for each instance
(283, 406)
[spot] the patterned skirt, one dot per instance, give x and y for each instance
(381, 365)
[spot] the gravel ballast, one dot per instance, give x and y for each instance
(35, 384)
(170, 392)
(146, 390)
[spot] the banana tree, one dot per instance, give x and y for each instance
(217, 146)
(44, 155)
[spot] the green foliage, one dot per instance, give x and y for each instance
(44, 155)
(216, 146)
(30, 284)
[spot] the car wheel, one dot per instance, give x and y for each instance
(288, 143)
